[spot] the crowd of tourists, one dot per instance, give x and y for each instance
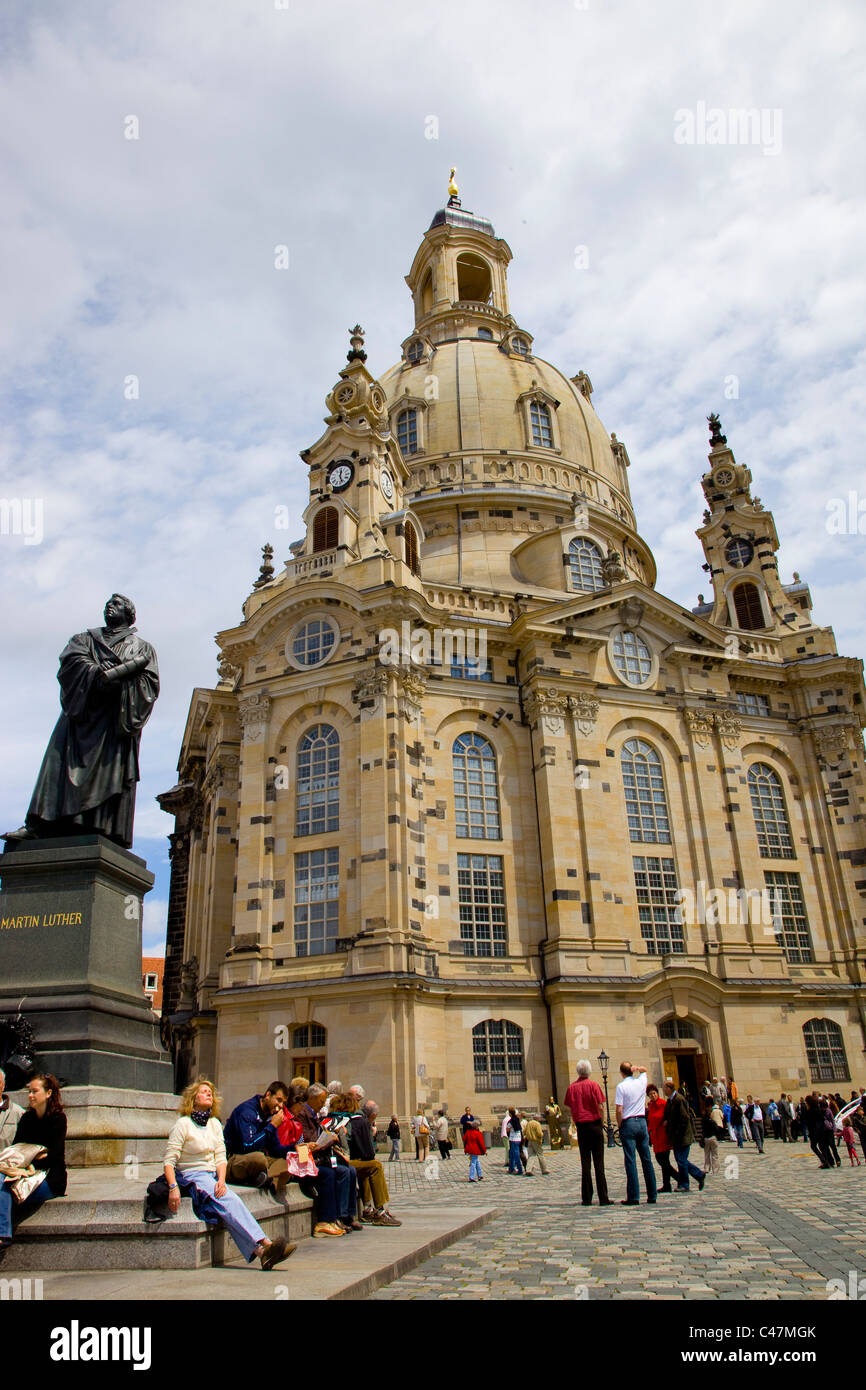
(324, 1139)
(664, 1126)
(321, 1137)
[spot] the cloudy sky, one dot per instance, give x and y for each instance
(721, 276)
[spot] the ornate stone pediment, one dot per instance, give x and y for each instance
(701, 722)
(411, 685)
(631, 611)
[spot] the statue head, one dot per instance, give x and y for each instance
(119, 611)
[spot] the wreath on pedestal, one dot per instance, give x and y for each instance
(17, 1049)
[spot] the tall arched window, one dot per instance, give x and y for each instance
(645, 801)
(825, 1050)
(497, 1055)
(476, 788)
(542, 430)
(318, 781)
(747, 607)
(771, 817)
(407, 431)
(326, 529)
(410, 537)
(584, 558)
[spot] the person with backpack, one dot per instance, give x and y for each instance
(680, 1124)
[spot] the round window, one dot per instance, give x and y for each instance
(631, 657)
(312, 642)
(739, 552)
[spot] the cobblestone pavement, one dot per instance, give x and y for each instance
(771, 1227)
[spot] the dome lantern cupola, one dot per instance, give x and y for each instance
(459, 275)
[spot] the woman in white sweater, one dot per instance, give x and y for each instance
(195, 1164)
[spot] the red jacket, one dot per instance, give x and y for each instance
(473, 1142)
(656, 1125)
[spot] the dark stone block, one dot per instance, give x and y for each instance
(70, 959)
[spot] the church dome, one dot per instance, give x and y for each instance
(480, 398)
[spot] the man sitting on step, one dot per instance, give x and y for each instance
(256, 1158)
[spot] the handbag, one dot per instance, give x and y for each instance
(18, 1166)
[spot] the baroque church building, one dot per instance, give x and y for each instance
(471, 799)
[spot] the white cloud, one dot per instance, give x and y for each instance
(260, 127)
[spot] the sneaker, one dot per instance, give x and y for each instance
(626, 1203)
(328, 1228)
(367, 1215)
(481, 1178)
(472, 1180)
(276, 1252)
(384, 1218)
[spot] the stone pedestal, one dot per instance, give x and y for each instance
(70, 961)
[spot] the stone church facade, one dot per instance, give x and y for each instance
(472, 799)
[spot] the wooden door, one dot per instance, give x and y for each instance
(671, 1068)
(310, 1068)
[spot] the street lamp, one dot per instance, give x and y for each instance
(604, 1063)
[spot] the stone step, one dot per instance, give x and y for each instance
(99, 1226)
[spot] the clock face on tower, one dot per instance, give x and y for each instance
(340, 475)
(387, 485)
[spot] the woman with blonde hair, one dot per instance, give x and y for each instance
(195, 1165)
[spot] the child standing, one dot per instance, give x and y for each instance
(473, 1145)
(850, 1140)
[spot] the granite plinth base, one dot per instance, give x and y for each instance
(110, 1126)
(70, 960)
(98, 1225)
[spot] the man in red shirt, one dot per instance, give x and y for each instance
(585, 1100)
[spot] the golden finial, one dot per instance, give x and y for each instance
(453, 190)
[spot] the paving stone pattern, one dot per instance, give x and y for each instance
(777, 1228)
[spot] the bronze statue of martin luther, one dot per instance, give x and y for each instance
(109, 682)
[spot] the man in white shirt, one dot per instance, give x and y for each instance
(631, 1119)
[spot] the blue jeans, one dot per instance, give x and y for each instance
(475, 1166)
(395, 1150)
(514, 1164)
(230, 1210)
(332, 1187)
(635, 1137)
(8, 1204)
(738, 1135)
(686, 1169)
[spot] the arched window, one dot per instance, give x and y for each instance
(318, 781)
(645, 801)
(497, 1055)
(326, 529)
(520, 345)
(771, 817)
(542, 430)
(410, 538)
(476, 788)
(747, 607)
(473, 279)
(825, 1050)
(632, 658)
(407, 431)
(427, 293)
(584, 558)
(309, 1035)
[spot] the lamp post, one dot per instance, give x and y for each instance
(604, 1063)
